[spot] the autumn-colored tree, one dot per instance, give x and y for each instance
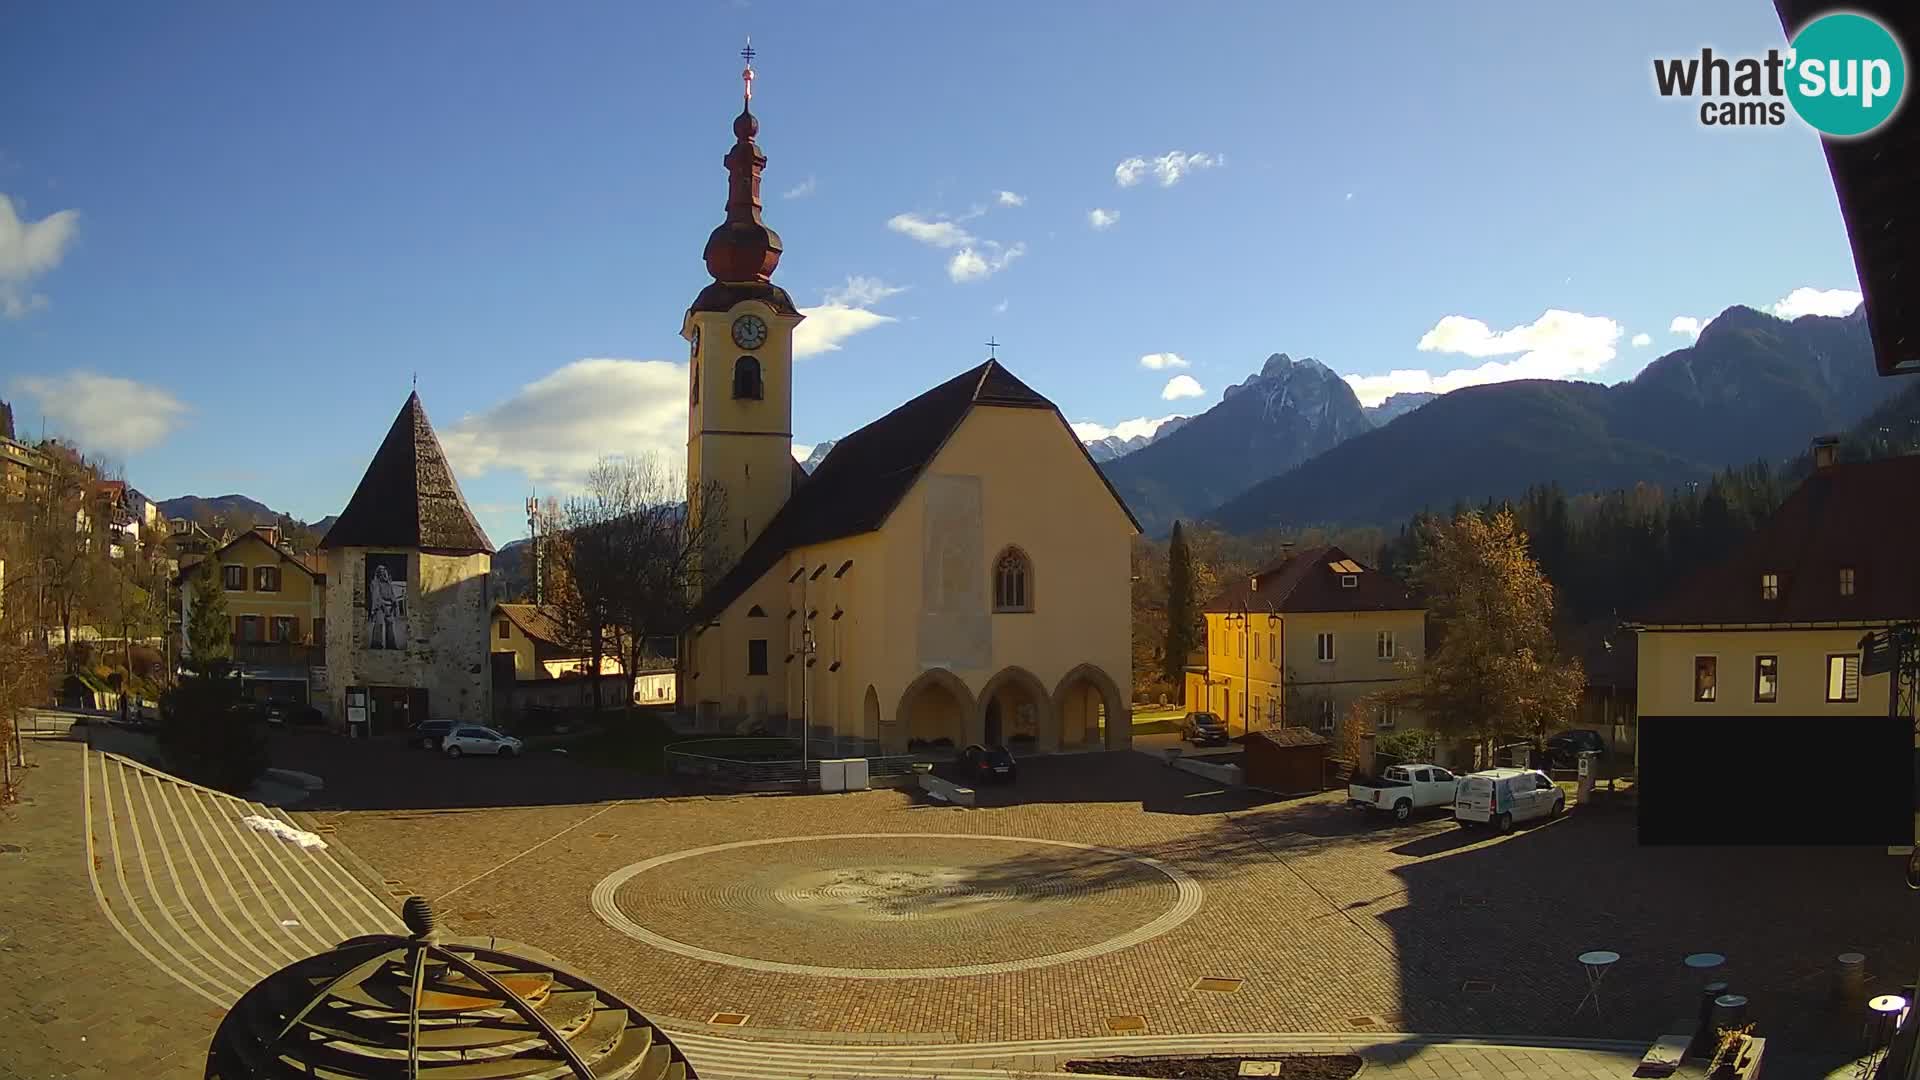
(1495, 673)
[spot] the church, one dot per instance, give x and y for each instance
(956, 572)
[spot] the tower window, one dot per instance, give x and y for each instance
(746, 379)
(696, 382)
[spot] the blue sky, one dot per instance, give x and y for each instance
(233, 233)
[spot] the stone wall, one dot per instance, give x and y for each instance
(445, 643)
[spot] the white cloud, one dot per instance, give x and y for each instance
(1008, 198)
(554, 429)
(1102, 219)
(1182, 386)
(801, 190)
(1811, 301)
(974, 264)
(1349, 197)
(1160, 361)
(1686, 325)
(104, 413)
(27, 250)
(1557, 345)
(862, 291)
(1125, 429)
(1642, 340)
(826, 326)
(1168, 168)
(937, 232)
(1000, 308)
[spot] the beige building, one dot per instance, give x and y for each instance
(1300, 641)
(277, 601)
(954, 572)
(407, 604)
(1776, 629)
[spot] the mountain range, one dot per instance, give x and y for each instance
(1752, 387)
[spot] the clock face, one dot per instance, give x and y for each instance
(749, 332)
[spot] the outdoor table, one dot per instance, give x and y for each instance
(1596, 964)
(1705, 961)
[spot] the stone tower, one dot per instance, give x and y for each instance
(740, 330)
(408, 583)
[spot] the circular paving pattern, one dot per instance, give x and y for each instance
(858, 905)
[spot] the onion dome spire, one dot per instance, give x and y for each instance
(743, 249)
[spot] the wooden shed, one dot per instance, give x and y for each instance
(1289, 760)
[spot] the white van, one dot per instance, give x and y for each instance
(1505, 797)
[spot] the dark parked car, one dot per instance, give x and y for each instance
(427, 735)
(987, 763)
(1564, 748)
(1203, 729)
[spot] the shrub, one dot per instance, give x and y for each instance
(206, 736)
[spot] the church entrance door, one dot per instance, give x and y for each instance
(993, 723)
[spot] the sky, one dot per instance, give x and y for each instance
(232, 237)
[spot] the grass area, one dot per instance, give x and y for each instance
(638, 746)
(1156, 727)
(1150, 715)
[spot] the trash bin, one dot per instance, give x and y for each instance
(1729, 1011)
(1850, 977)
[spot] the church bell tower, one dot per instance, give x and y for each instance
(740, 372)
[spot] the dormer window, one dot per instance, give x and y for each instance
(1769, 586)
(1846, 581)
(746, 379)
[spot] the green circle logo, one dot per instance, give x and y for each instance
(1847, 74)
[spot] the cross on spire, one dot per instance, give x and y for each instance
(992, 349)
(746, 73)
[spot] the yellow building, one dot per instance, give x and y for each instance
(1297, 643)
(1776, 629)
(277, 602)
(531, 636)
(952, 573)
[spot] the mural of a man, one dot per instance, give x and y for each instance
(386, 602)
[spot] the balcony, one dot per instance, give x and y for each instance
(279, 656)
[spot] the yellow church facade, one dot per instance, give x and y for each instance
(955, 572)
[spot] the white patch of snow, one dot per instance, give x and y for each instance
(283, 830)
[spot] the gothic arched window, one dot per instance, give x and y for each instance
(1013, 581)
(746, 378)
(696, 382)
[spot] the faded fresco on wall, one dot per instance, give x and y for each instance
(386, 601)
(954, 627)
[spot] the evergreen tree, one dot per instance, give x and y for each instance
(1181, 616)
(209, 631)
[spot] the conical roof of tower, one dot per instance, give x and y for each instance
(408, 497)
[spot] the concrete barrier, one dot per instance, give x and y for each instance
(1228, 775)
(946, 790)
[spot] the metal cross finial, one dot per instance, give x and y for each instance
(746, 73)
(992, 349)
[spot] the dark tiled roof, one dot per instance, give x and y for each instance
(1305, 583)
(722, 295)
(867, 473)
(1873, 177)
(1289, 736)
(1863, 515)
(408, 497)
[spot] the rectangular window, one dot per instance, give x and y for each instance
(757, 656)
(1256, 646)
(250, 628)
(1239, 647)
(1766, 678)
(503, 630)
(1383, 645)
(1326, 715)
(234, 578)
(266, 579)
(1843, 677)
(1769, 586)
(1386, 717)
(1705, 668)
(1846, 581)
(1323, 647)
(282, 628)
(1273, 653)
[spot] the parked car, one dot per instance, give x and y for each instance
(1403, 789)
(987, 763)
(428, 734)
(309, 716)
(1204, 729)
(1564, 748)
(1505, 797)
(479, 740)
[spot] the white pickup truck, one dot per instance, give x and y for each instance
(1403, 789)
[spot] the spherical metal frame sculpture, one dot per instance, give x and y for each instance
(424, 1006)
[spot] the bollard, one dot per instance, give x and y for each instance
(1729, 1011)
(1707, 994)
(1850, 977)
